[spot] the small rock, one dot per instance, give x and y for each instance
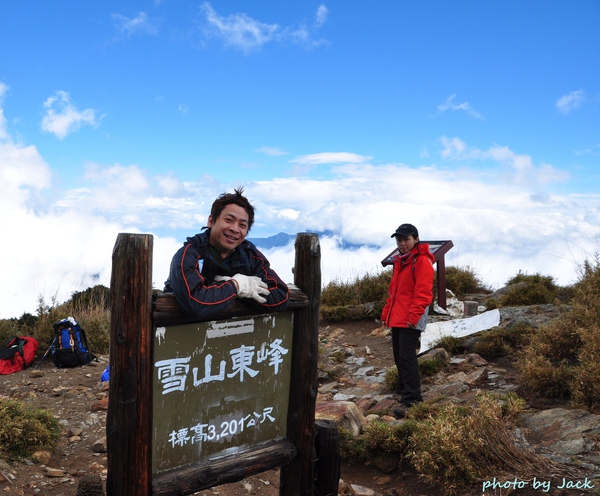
(380, 481)
(387, 463)
(475, 360)
(436, 354)
(54, 472)
(59, 391)
(477, 377)
(99, 446)
(100, 405)
(75, 431)
(357, 490)
(97, 467)
(42, 457)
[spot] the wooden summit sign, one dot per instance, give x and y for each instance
(219, 388)
(193, 405)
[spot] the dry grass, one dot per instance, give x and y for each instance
(24, 430)
(561, 359)
(454, 447)
(460, 446)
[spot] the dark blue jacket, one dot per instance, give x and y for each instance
(193, 271)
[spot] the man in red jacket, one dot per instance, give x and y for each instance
(406, 309)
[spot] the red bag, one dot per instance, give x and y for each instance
(17, 353)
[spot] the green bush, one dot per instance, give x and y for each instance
(462, 281)
(366, 289)
(25, 430)
(451, 344)
(378, 437)
(359, 300)
(561, 359)
(527, 289)
(390, 378)
(430, 366)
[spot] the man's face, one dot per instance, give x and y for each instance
(229, 229)
(406, 243)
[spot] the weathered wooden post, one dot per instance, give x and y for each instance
(327, 464)
(297, 476)
(129, 424)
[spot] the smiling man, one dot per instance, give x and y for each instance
(218, 265)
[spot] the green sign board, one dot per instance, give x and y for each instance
(219, 388)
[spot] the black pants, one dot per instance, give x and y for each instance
(404, 345)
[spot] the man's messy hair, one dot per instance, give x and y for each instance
(236, 198)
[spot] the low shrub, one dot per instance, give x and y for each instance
(462, 281)
(377, 438)
(527, 289)
(430, 366)
(492, 344)
(449, 445)
(359, 300)
(561, 359)
(451, 449)
(25, 430)
(451, 344)
(390, 378)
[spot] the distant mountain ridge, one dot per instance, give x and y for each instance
(283, 239)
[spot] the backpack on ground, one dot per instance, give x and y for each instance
(17, 353)
(70, 347)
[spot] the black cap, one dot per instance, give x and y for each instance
(406, 230)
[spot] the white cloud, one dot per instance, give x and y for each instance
(63, 118)
(247, 34)
(3, 130)
(464, 107)
(321, 15)
(569, 102)
(239, 30)
(274, 152)
(54, 245)
(521, 170)
(331, 158)
(140, 24)
(491, 206)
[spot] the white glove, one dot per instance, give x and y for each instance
(251, 287)
(222, 278)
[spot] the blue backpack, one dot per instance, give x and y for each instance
(70, 347)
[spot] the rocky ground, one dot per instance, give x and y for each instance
(354, 359)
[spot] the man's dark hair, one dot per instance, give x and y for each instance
(236, 198)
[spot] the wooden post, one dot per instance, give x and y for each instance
(327, 463)
(296, 478)
(129, 419)
(441, 282)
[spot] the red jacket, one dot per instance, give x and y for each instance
(411, 289)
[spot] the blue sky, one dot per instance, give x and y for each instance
(477, 121)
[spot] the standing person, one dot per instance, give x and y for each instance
(405, 311)
(218, 265)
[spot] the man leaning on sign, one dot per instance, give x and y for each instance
(219, 264)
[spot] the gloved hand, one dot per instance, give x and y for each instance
(251, 287)
(222, 278)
